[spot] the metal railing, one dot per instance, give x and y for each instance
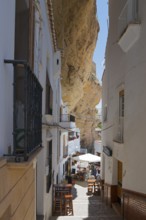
(129, 14)
(27, 115)
(67, 118)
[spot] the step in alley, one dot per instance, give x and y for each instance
(88, 207)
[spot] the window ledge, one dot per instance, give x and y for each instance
(129, 37)
(118, 141)
(11, 164)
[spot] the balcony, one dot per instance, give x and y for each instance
(67, 121)
(129, 25)
(27, 114)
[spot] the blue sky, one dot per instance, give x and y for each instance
(102, 16)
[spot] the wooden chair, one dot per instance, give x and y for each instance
(58, 203)
(68, 204)
(90, 188)
(97, 188)
(59, 192)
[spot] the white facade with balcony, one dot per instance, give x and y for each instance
(68, 147)
(69, 141)
(48, 66)
(123, 97)
(66, 120)
(15, 21)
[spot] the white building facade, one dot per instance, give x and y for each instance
(21, 111)
(48, 64)
(69, 142)
(124, 107)
(6, 76)
(30, 95)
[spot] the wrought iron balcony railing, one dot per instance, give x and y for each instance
(27, 116)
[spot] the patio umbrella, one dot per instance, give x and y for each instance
(91, 158)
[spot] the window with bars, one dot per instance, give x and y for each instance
(49, 96)
(65, 147)
(27, 114)
(121, 103)
(105, 113)
(121, 116)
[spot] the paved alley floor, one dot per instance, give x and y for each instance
(88, 207)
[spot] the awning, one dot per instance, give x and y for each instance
(91, 158)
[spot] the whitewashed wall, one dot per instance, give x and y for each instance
(46, 61)
(62, 160)
(98, 146)
(7, 28)
(126, 70)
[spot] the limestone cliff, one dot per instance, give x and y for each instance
(86, 112)
(77, 29)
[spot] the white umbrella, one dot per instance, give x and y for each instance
(91, 158)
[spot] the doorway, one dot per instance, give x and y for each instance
(119, 180)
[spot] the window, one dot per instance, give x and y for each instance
(77, 134)
(65, 147)
(58, 146)
(105, 113)
(57, 179)
(49, 97)
(121, 117)
(63, 169)
(49, 164)
(71, 135)
(121, 103)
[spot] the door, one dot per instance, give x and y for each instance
(119, 188)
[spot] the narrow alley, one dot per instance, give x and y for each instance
(88, 207)
(73, 110)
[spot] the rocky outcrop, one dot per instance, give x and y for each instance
(77, 29)
(85, 111)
